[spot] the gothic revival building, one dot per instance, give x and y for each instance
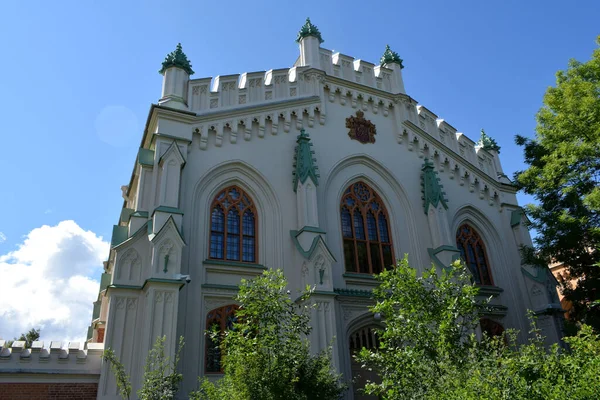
(328, 170)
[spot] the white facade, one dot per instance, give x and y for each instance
(208, 134)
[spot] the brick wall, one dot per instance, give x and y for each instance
(48, 391)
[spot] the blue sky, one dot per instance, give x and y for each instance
(78, 78)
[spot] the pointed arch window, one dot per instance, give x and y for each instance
(472, 251)
(233, 226)
(365, 230)
(218, 320)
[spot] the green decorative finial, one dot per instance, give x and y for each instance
(177, 58)
(308, 29)
(305, 165)
(488, 143)
(390, 56)
(431, 187)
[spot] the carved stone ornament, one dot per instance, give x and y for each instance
(361, 129)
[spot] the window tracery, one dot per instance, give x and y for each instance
(472, 251)
(365, 230)
(218, 320)
(233, 226)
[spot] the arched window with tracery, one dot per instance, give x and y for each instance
(365, 230)
(491, 327)
(472, 251)
(233, 226)
(218, 320)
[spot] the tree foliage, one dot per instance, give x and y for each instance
(266, 355)
(563, 175)
(428, 349)
(161, 378)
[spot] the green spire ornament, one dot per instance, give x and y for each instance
(308, 29)
(488, 143)
(390, 56)
(177, 58)
(431, 187)
(304, 164)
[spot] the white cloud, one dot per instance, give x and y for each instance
(2, 237)
(48, 282)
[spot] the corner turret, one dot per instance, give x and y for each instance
(390, 59)
(176, 71)
(309, 39)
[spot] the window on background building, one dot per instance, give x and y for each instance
(472, 251)
(365, 231)
(218, 320)
(233, 226)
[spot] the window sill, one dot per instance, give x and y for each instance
(360, 279)
(489, 290)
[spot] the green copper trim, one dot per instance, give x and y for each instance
(141, 214)
(96, 312)
(305, 165)
(515, 217)
(119, 235)
(308, 254)
(308, 29)
(167, 209)
(390, 56)
(177, 59)
(434, 252)
(163, 280)
(125, 287)
(146, 157)
(353, 292)
(493, 309)
(125, 214)
(134, 236)
(90, 332)
(105, 281)
(541, 276)
(369, 277)
(233, 264)
(218, 286)
(489, 290)
(324, 293)
(313, 229)
(488, 143)
(431, 187)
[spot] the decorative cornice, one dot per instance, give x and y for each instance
(305, 165)
(177, 59)
(431, 187)
(308, 29)
(390, 56)
(487, 143)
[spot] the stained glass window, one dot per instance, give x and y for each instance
(472, 251)
(371, 251)
(218, 320)
(235, 238)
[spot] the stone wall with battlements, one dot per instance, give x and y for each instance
(54, 371)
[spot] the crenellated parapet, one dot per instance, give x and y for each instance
(56, 358)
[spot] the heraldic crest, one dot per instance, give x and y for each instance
(361, 129)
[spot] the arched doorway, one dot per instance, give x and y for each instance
(362, 337)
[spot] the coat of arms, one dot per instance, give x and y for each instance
(361, 129)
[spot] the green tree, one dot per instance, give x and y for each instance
(161, 379)
(266, 355)
(31, 336)
(426, 319)
(563, 175)
(428, 349)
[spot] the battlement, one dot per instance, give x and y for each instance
(58, 357)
